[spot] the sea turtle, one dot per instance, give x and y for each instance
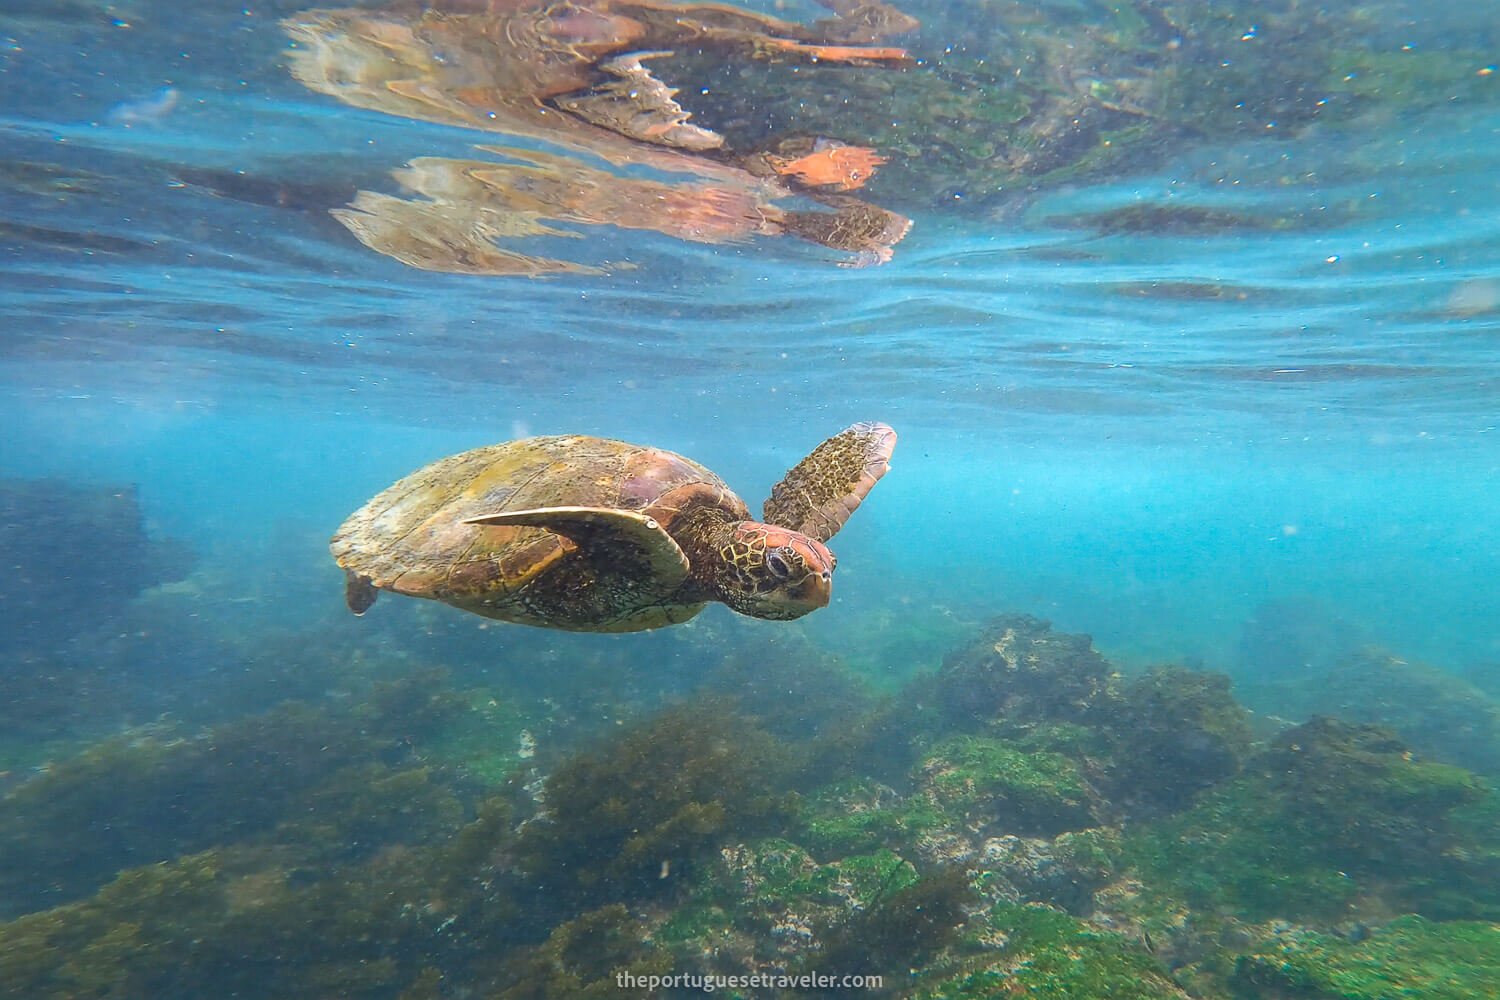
(596, 535)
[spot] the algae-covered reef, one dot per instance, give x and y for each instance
(157, 793)
(1410, 956)
(1024, 821)
(1440, 714)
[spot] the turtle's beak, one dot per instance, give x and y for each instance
(816, 589)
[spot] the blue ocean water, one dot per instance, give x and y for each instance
(1267, 403)
(1144, 435)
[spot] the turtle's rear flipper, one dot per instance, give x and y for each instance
(820, 493)
(359, 592)
(638, 106)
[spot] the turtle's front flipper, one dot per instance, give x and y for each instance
(638, 106)
(817, 496)
(622, 544)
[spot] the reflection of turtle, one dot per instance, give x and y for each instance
(571, 72)
(575, 73)
(472, 215)
(595, 535)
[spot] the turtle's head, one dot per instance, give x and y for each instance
(771, 572)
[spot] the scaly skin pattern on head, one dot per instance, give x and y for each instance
(772, 572)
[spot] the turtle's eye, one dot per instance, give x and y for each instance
(778, 564)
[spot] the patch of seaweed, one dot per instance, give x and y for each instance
(626, 817)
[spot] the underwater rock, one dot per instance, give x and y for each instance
(768, 907)
(289, 917)
(969, 795)
(1175, 733)
(56, 584)
(1366, 798)
(1410, 956)
(584, 959)
(1022, 671)
(860, 815)
(157, 792)
(1037, 951)
(1329, 822)
(756, 906)
(1065, 872)
(897, 930)
(1436, 712)
(965, 789)
(994, 788)
(1146, 744)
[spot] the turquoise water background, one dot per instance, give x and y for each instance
(1144, 435)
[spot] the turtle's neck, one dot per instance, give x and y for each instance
(702, 532)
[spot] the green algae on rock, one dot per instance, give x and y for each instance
(313, 924)
(1331, 819)
(1036, 951)
(626, 816)
(584, 958)
(1176, 732)
(768, 905)
(1021, 669)
(989, 785)
(379, 875)
(158, 793)
(1441, 715)
(1409, 957)
(860, 815)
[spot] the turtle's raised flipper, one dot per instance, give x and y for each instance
(820, 493)
(627, 545)
(639, 106)
(359, 592)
